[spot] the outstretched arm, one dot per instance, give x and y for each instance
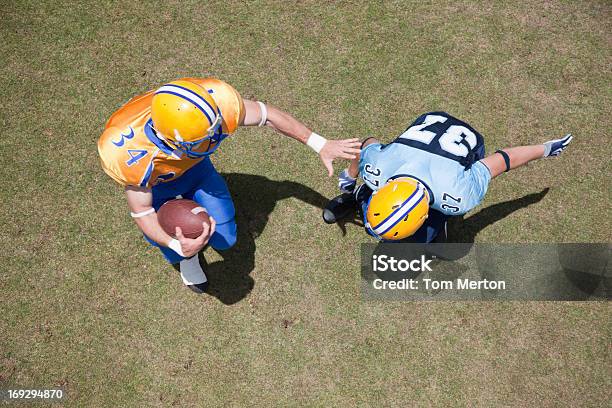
(259, 114)
(497, 163)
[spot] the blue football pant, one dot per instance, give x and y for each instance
(204, 185)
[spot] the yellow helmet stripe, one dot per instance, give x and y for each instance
(401, 212)
(191, 97)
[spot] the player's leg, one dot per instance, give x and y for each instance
(362, 196)
(433, 229)
(212, 193)
(345, 204)
(191, 269)
(170, 256)
(339, 207)
(170, 191)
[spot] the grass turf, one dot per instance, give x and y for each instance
(88, 306)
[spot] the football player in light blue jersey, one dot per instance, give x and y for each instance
(434, 170)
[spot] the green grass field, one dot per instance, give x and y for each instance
(87, 305)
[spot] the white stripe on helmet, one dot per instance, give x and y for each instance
(401, 212)
(192, 97)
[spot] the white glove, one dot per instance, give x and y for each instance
(555, 147)
(346, 183)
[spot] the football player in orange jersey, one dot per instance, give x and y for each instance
(158, 145)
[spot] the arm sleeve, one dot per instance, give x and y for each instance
(114, 160)
(368, 155)
(374, 178)
(107, 159)
(476, 183)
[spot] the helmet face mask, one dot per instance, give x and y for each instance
(192, 149)
(213, 137)
(397, 210)
(187, 118)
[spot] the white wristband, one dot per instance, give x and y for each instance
(175, 245)
(264, 114)
(316, 142)
(143, 213)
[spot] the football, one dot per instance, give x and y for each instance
(183, 213)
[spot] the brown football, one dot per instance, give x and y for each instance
(183, 213)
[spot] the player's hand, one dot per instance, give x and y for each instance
(189, 246)
(333, 149)
(346, 183)
(555, 147)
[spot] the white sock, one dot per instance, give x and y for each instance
(191, 271)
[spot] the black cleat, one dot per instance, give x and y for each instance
(200, 267)
(442, 237)
(199, 288)
(339, 208)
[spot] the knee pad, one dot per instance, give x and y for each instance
(225, 236)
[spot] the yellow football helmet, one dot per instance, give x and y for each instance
(187, 117)
(398, 209)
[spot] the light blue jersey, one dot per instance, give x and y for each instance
(442, 153)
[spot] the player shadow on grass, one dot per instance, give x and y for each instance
(464, 230)
(254, 198)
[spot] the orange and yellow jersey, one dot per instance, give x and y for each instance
(133, 155)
